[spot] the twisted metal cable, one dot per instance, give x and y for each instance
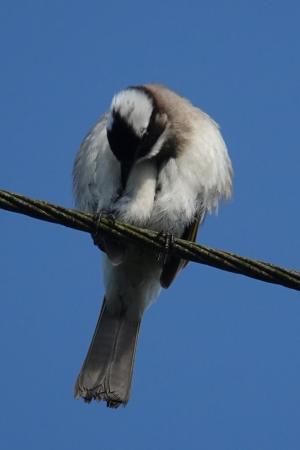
(190, 251)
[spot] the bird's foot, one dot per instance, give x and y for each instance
(168, 242)
(99, 236)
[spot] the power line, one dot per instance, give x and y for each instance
(190, 251)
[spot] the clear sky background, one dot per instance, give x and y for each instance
(218, 363)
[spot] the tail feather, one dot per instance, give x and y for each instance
(106, 373)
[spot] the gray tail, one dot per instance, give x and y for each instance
(107, 370)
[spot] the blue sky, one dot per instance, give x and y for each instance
(218, 363)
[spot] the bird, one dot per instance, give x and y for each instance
(153, 160)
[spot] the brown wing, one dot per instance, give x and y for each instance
(173, 265)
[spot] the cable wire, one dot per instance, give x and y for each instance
(187, 250)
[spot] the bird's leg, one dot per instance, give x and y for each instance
(99, 236)
(168, 244)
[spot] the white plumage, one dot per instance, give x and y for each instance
(165, 196)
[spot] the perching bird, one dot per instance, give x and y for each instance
(154, 161)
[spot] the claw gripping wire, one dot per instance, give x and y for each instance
(190, 251)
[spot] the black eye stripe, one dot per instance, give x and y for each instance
(123, 143)
(122, 138)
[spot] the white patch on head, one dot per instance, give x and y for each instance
(135, 107)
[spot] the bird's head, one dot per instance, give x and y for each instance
(135, 126)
